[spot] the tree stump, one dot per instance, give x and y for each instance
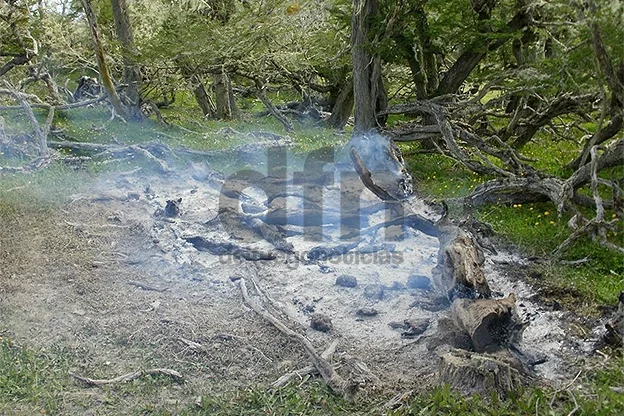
(459, 272)
(492, 324)
(472, 373)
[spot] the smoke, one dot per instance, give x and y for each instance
(384, 160)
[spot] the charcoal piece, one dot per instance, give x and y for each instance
(172, 209)
(415, 327)
(321, 322)
(346, 281)
(367, 312)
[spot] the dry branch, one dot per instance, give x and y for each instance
(335, 382)
(367, 179)
(40, 135)
(130, 377)
(151, 151)
(309, 369)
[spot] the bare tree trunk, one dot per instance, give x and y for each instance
(341, 111)
(233, 107)
(107, 82)
(366, 67)
(204, 100)
(226, 106)
(131, 71)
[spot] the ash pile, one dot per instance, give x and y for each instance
(337, 249)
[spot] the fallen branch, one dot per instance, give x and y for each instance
(33, 166)
(335, 382)
(150, 151)
(302, 372)
(45, 106)
(146, 287)
(130, 377)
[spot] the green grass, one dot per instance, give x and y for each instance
(36, 381)
(536, 230)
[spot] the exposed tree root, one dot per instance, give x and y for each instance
(130, 377)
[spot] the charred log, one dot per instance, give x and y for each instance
(491, 324)
(459, 272)
(220, 248)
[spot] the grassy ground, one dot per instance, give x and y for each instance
(34, 380)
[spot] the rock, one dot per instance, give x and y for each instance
(415, 327)
(367, 312)
(397, 325)
(397, 286)
(321, 322)
(417, 281)
(374, 292)
(346, 281)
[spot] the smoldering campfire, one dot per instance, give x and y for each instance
(337, 252)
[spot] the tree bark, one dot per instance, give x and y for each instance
(492, 324)
(226, 106)
(107, 82)
(366, 67)
(343, 107)
(204, 100)
(484, 374)
(202, 97)
(131, 71)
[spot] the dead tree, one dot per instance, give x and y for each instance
(368, 89)
(226, 108)
(131, 72)
(107, 81)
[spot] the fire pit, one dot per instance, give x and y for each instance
(291, 228)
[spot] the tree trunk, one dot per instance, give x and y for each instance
(226, 106)
(107, 82)
(366, 67)
(459, 272)
(470, 373)
(131, 71)
(470, 58)
(204, 100)
(202, 97)
(341, 111)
